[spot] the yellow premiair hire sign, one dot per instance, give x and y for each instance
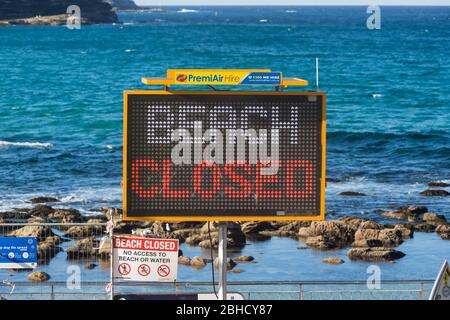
(224, 77)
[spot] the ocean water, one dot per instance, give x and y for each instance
(388, 112)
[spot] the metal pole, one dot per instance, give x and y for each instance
(111, 267)
(317, 74)
(110, 225)
(222, 256)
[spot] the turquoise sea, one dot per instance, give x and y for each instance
(388, 110)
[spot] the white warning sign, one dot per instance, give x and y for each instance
(441, 288)
(144, 259)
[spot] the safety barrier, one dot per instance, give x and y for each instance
(70, 254)
(258, 290)
(76, 256)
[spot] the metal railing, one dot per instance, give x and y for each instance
(71, 254)
(255, 290)
(296, 290)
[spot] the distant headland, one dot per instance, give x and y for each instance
(54, 12)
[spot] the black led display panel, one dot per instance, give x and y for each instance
(199, 155)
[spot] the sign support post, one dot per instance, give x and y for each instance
(222, 259)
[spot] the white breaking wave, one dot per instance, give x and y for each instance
(187, 11)
(80, 198)
(26, 144)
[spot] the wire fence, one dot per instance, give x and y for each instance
(74, 264)
(294, 290)
(259, 290)
(71, 254)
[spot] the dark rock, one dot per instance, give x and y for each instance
(424, 227)
(198, 262)
(48, 249)
(352, 221)
(352, 193)
(333, 260)
(35, 220)
(14, 215)
(230, 263)
(43, 200)
(40, 232)
(38, 276)
(389, 237)
(443, 230)
(414, 219)
(195, 239)
(286, 230)
(323, 242)
(125, 227)
(413, 210)
(235, 237)
(236, 270)
(367, 243)
(184, 260)
(122, 4)
(173, 226)
(407, 231)
(90, 265)
(41, 210)
(369, 224)
(253, 227)
(95, 221)
(395, 215)
(435, 192)
(66, 216)
(333, 233)
(294, 226)
(83, 249)
(374, 254)
(183, 234)
(79, 232)
(158, 230)
(92, 11)
(25, 210)
(99, 217)
(438, 184)
(243, 259)
(433, 217)
(409, 213)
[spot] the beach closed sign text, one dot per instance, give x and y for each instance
(145, 259)
(218, 155)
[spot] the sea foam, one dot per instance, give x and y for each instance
(26, 144)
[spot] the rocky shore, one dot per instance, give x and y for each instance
(366, 240)
(54, 12)
(56, 20)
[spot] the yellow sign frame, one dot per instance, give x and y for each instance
(234, 76)
(320, 217)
